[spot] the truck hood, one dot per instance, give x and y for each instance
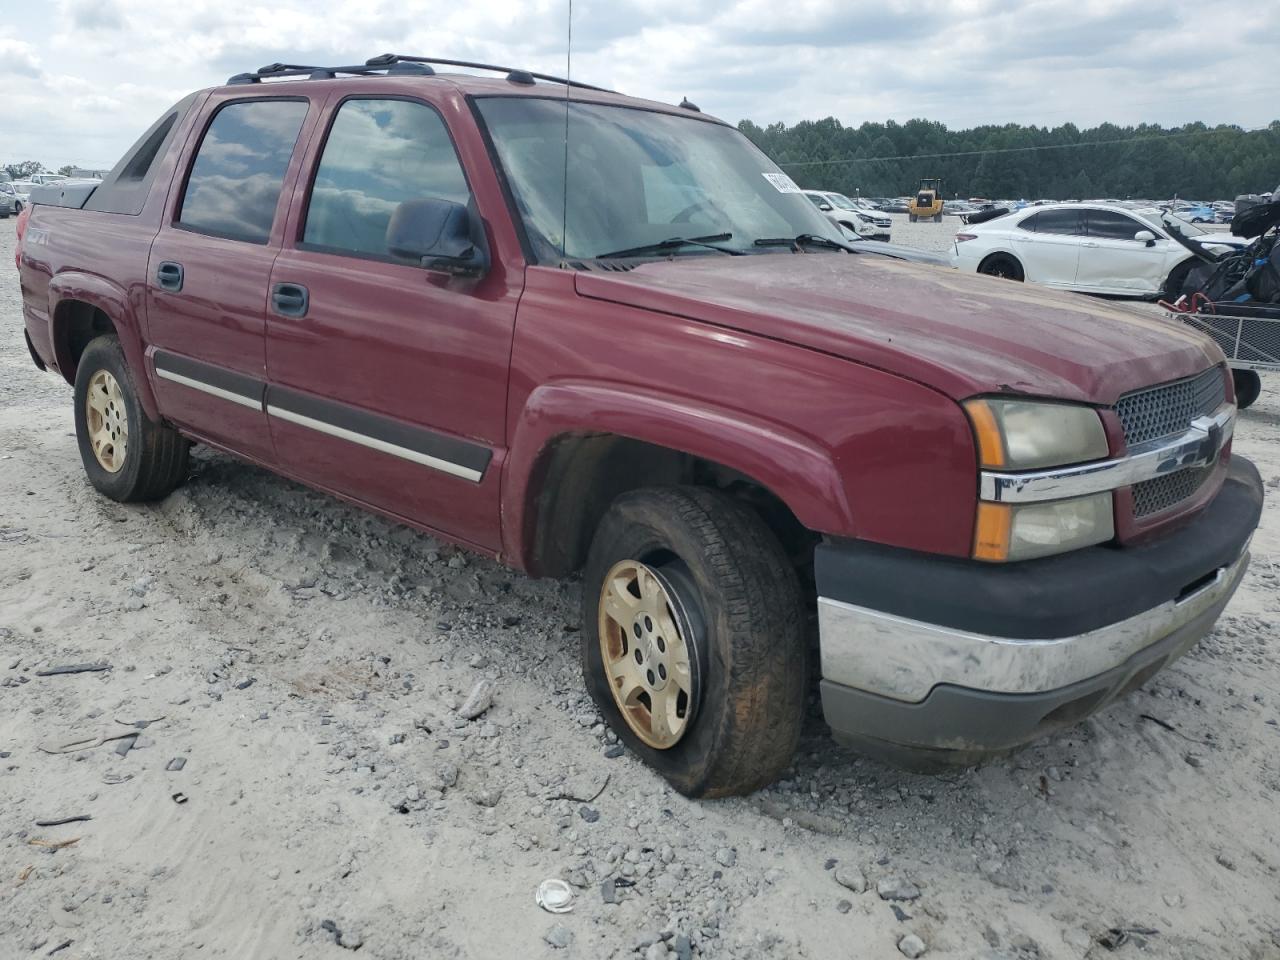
(962, 334)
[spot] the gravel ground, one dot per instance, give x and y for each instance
(308, 785)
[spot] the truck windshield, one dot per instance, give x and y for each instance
(637, 178)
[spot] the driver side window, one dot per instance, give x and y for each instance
(1109, 225)
(379, 153)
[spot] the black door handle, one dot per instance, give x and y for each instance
(290, 299)
(169, 276)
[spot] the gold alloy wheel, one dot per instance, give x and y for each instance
(645, 654)
(106, 421)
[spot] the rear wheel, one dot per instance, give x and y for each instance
(127, 456)
(937, 218)
(1002, 265)
(1248, 387)
(693, 639)
(913, 217)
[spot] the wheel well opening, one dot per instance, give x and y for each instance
(76, 325)
(579, 476)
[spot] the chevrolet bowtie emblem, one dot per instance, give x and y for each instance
(1212, 442)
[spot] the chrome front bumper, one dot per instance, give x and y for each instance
(904, 660)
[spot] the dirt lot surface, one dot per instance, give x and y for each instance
(303, 662)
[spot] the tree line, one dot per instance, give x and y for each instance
(29, 168)
(1058, 163)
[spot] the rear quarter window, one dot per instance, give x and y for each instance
(126, 187)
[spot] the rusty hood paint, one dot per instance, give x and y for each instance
(959, 333)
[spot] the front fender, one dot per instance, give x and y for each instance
(803, 475)
(74, 286)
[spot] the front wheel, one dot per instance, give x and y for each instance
(693, 639)
(1248, 387)
(937, 218)
(127, 456)
(1177, 279)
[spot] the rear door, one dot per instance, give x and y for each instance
(1048, 244)
(209, 269)
(1112, 260)
(389, 384)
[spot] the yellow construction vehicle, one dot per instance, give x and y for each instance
(927, 203)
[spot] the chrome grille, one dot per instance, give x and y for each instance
(1152, 496)
(1168, 410)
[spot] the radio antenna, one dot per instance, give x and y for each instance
(568, 77)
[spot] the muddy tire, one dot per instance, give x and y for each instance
(735, 607)
(1248, 387)
(126, 456)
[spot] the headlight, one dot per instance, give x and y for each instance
(1007, 532)
(1030, 434)
(1017, 435)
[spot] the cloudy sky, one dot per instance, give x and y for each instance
(80, 79)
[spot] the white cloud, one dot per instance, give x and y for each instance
(82, 78)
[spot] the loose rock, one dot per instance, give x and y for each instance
(897, 888)
(478, 700)
(559, 936)
(851, 878)
(912, 946)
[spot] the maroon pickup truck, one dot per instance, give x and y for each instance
(584, 333)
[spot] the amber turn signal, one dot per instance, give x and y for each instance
(987, 432)
(991, 533)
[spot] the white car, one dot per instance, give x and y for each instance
(861, 219)
(22, 194)
(1088, 247)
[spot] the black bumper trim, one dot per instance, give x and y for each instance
(1052, 597)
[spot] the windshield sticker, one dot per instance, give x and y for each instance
(781, 182)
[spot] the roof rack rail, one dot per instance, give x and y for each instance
(394, 64)
(514, 74)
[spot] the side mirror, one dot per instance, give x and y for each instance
(824, 207)
(440, 235)
(1145, 236)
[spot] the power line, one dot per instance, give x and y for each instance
(1047, 146)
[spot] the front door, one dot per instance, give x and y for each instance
(1112, 260)
(388, 382)
(208, 273)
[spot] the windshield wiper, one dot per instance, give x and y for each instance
(674, 243)
(802, 240)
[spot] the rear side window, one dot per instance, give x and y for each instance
(1054, 221)
(379, 153)
(1109, 225)
(236, 177)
